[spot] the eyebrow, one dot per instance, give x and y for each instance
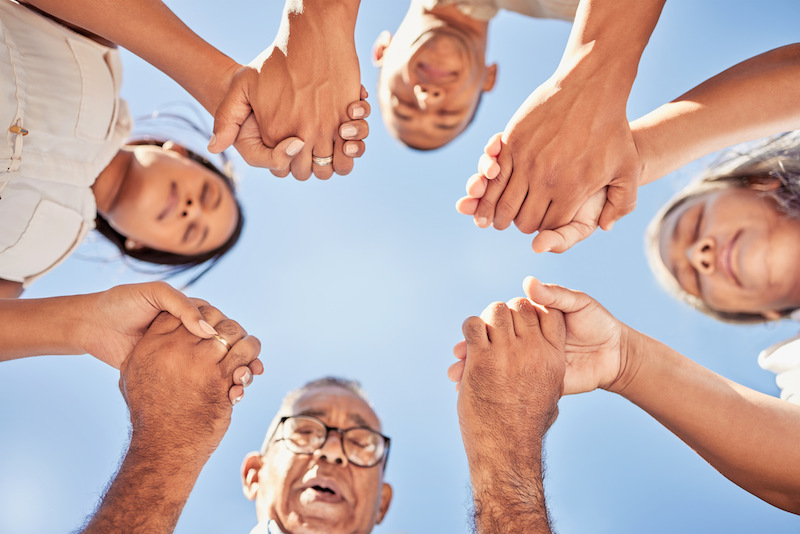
(357, 419)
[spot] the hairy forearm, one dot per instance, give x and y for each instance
(153, 32)
(33, 327)
(149, 491)
(509, 498)
(749, 437)
(755, 98)
(608, 38)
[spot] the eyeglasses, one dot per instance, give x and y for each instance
(304, 434)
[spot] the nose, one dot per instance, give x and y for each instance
(190, 209)
(702, 255)
(332, 450)
(428, 96)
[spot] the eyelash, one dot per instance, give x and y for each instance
(695, 237)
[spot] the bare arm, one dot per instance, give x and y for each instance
(153, 32)
(176, 387)
(10, 290)
(755, 98)
(749, 437)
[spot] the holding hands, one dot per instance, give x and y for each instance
(302, 96)
(566, 163)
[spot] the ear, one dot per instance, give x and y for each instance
(174, 147)
(386, 499)
(250, 467)
(130, 244)
(380, 46)
(490, 76)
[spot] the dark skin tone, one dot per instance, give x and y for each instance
(176, 387)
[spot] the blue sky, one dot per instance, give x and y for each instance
(370, 276)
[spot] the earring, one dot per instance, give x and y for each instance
(130, 244)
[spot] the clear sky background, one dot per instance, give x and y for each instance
(370, 276)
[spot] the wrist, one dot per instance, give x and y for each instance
(632, 350)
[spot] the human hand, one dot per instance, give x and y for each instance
(180, 389)
(300, 86)
(116, 319)
(250, 144)
(512, 377)
(595, 340)
(562, 145)
(556, 240)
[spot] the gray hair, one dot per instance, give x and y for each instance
(752, 166)
(353, 386)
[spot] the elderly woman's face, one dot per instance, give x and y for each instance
(735, 250)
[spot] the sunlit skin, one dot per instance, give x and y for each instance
(160, 199)
(733, 249)
(282, 483)
(433, 72)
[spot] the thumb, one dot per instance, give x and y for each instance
(164, 297)
(257, 154)
(228, 120)
(553, 296)
(621, 200)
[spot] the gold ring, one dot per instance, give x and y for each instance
(322, 162)
(224, 341)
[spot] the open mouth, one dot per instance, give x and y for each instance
(322, 489)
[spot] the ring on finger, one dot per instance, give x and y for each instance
(322, 162)
(225, 342)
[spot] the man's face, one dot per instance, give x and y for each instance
(429, 86)
(320, 492)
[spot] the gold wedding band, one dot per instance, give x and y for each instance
(224, 341)
(322, 162)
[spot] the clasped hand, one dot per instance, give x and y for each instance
(297, 104)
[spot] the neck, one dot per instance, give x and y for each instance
(425, 19)
(107, 186)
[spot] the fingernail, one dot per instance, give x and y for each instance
(350, 150)
(610, 226)
(212, 140)
(207, 328)
(481, 221)
(237, 399)
(247, 378)
(294, 147)
(358, 112)
(348, 130)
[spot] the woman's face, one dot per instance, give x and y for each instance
(733, 249)
(171, 203)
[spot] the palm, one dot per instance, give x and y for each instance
(592, 349)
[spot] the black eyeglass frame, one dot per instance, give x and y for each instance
(341, 431)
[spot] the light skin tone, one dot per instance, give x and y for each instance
(161, 199)
(511, 380)
(735, 250)
(747, 436)
(175, 385)
(716, 114)
(151, 31)
(286, 486)
(433, 71)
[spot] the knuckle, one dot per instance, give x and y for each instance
(229, 327)
(505, 209)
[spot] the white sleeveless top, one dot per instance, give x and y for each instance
(63, 89)
(783, 359)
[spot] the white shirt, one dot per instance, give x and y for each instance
(63, 88)
(783, 359)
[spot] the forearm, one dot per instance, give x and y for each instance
(149, 491)
(752, 99)
(151, 31)
(607, 41)
(319, 21)
(508, 493)
(749, 437)
(33, 327)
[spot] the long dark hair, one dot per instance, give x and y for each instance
(179, 263)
